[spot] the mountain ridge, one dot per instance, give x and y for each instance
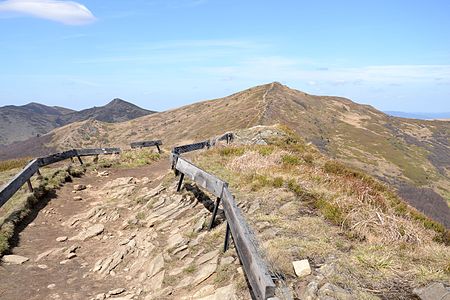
(412, 155)
(18, 123)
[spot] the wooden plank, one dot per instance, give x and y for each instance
(51, 159)
(9, 189)
(202, 178)
(256, 270)
(97, 151)
(191, 147)
(146, 144)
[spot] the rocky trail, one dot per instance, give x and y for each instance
(122, 234)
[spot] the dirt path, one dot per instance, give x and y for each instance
(33, 279)
(127, 238)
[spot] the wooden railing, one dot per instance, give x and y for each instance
(254, 266)
(144, 144)
(9, 189)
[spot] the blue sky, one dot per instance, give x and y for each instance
(160, 54)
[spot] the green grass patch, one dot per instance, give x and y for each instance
(290, 160)
(231, 151)
(278, 182)
(331, 212)
(266, 150)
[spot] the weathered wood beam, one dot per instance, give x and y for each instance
(211, 183)
(53, 158)
(97, 151)
(143, 144)
(191, 147)
(9, 189)
(255, 268)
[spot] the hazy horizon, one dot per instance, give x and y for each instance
(165, 54)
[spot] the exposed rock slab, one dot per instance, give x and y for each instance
(89, 232)
(433, 291)
(15, 259)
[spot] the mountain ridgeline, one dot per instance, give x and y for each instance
(411, 155)
(19, 123)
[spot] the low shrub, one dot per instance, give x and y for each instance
(290, 160)
(231, 151)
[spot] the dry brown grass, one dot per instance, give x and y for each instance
(324, 211)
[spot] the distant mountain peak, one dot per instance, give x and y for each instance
(32, 119)
(118, 101)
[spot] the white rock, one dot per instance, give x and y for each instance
(71, 255)
(15, 259)
(116, 291)
(77, 198)
(61, 239)
(51, 286)
(301, 267)
(103, 174)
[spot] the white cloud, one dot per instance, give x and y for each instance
(66, 12)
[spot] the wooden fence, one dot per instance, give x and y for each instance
(144, 144)
(9, 189)
(254, 266)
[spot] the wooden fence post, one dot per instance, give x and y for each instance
(180, 182)
(213, 218)
(226, 243)
(30, 187)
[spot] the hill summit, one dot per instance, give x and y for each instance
(18, 123)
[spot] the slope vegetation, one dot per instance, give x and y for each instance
(361, 239)
(412, 155)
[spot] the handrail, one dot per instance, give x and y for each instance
(10, 188)
(143, 144)
(254, 266)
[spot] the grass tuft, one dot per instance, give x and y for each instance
(290, 160)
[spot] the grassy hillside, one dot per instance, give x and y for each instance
(19, 123)
(412, 155)
(354, 230)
